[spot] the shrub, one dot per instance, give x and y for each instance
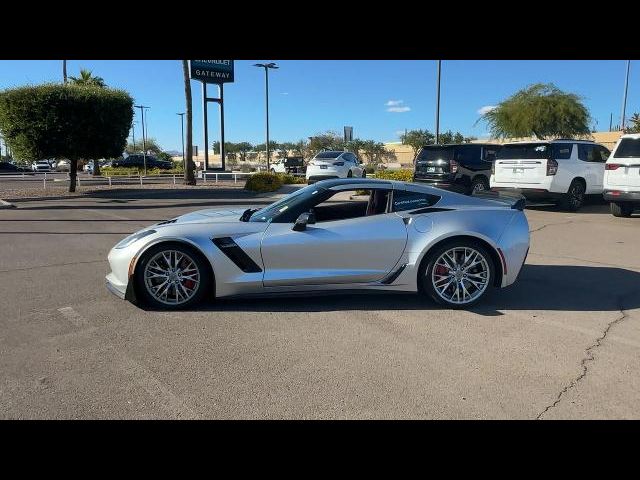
(404, 175)
(264, 182)
(115, 171)
(289, 179)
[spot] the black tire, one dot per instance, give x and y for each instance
(349, 174)
(202, 289)
(574, 198)
(273, 171)
(364, 173)
(621, 209)
(425, 273)
(479, 184)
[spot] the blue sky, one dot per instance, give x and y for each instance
(378, 98)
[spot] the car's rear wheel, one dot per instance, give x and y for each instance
(479, 184)
(458, 273)
(574, 198)
(172, 276)
(349, 174)
(621, 209)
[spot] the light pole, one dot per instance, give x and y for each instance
(182, 124)
(624, 99)
(438, 106)
(266, 67)
(144, 144)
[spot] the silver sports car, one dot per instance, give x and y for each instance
(335, 235)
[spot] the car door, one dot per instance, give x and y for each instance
(590, 167)
(358, 168)
(353, 250)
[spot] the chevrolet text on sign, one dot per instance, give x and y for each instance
(212, 71)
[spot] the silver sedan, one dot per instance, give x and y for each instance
(335, 235)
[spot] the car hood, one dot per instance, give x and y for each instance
(211, 215)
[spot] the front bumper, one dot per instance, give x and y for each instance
(115, 287)
(621, 196)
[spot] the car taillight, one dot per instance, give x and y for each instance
(552, 167)
(453, 166)
(612, 166)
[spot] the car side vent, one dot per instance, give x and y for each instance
(236, 254)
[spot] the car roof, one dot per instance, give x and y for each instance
(555, 140)
(631, 135)
(381, 182)
(484, 144)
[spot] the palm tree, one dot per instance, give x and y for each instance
(635, 124)
(87, 78)
(189, 176)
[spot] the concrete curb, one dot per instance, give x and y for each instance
(4, 205)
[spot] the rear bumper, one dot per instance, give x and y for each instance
(318, 178)
(530, 193)
(452, 186)
(612, 195)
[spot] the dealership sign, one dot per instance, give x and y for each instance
(212, 71)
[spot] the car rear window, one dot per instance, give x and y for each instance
(628, 148)
(435, 153)
(328, 154)
(525, 150)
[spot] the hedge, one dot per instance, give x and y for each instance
(404, 175)
(264, 182)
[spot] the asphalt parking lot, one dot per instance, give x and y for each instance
(563, 342)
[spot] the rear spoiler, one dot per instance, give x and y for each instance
(514, 200)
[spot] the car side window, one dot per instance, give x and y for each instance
(585, 152)
(346, 204)
(489, 154)
(561, 151)
(404, 200)
(604, 154)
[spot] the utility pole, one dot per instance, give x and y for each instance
(438, 106)
(624, 99)
(182, 124)
(64, 70)
(266, 67)
(144, 144)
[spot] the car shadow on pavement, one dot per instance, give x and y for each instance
(591, 205)
(539, 287)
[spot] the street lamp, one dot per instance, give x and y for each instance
(624, 98)
(438, 107)
(182, 124)
(144, 144)
(266, 67)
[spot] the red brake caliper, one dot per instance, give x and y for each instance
(441, 270)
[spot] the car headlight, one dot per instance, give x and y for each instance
(133, 238)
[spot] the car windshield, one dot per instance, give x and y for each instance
(524, 150)
(328, 154)
(628, 148)
(436, 153)
(269, 212)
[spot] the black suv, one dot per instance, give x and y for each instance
(137, 160)
(464, 168)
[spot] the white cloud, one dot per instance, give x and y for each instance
(398, 109)
(393, 103)
(486, 109)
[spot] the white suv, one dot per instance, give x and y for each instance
(622, 176)
(561, 170)
(334, 164)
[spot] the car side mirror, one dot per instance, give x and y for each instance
(303, 220)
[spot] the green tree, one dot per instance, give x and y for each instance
(149, 143)
(355, 146)
(189, 167)
(634, 122)
(87, 78)
(325, 141)
(284, 148)
(373, 152)
(164, 156)
(65, 121)
(417, 139)
(542, 110)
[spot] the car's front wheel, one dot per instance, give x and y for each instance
(479, 185)
(457, 274)
(172, 276)
(621, 209)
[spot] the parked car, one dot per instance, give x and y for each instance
(8, 168)
(336, 235)
(137, 160)
(288, 165)
(63, 166)
(463, 168)
(560, 170)
(334, 164)
(41, 166)
(622, 176)
(88, 167)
